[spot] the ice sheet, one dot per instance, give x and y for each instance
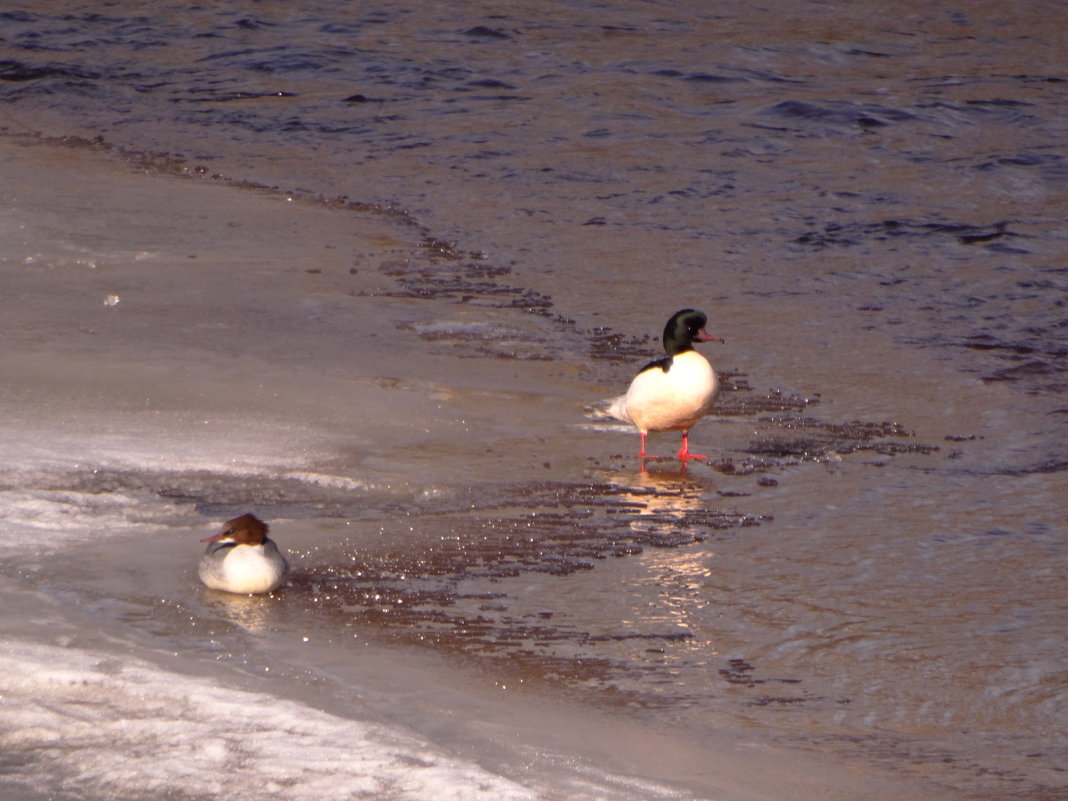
(126, 728)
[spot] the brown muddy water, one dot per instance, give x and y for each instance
(367, 271)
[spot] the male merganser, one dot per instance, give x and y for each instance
(673, 393)
(242, 559)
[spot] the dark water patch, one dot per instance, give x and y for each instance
(50, 81)
(219, 48)
(708, 77)
(1031, 159)
(607, 345)
(86, 32)
(274, 59)
(489, 83)
(1013, 305)
(266, 122)
(1000, 102)
(771, 77)
(1037, 355)
(805, 439)
(1050, 167)
(484, 32)
(955, 115)
(839, 114)
(850, 234)
(855, 51)
(1034, 371)
(962, 774)
(1001, 247)
(17, 16)
(440, 278)
(670, 637)
(742, 674)
(1055, 465)
(361, 98)
(726, 74)
(17, 72)
(503, 98)
(252, 23)
(223, 96)
(988, 342)
(740, 399)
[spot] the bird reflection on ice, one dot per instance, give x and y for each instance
(673, 509)
(664, 500)
(250, 612)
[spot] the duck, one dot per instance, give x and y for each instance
(672, 393)
(241, 558)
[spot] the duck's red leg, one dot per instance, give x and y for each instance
(684, 451)
(642, 453)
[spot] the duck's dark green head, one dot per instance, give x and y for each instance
(683, 329)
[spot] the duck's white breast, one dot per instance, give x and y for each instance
(245, 569)
(672, 400)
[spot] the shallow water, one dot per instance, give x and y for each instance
(364, 273)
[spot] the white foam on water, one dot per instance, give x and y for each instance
(121, 727)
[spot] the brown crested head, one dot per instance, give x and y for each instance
(245, 530)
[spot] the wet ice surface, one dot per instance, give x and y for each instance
(438, 510)
(77, 708)
(389, 357)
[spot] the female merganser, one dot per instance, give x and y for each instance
(242, 559)
(673, 393)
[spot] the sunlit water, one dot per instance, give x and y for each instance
(363, 270)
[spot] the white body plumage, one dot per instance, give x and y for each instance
(242, 559)
(669, 400)
(672, 393)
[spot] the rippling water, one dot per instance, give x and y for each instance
(473, 221)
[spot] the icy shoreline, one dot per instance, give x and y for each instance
(101, 725)
(261, 373)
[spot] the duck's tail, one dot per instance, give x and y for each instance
(610, 409)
